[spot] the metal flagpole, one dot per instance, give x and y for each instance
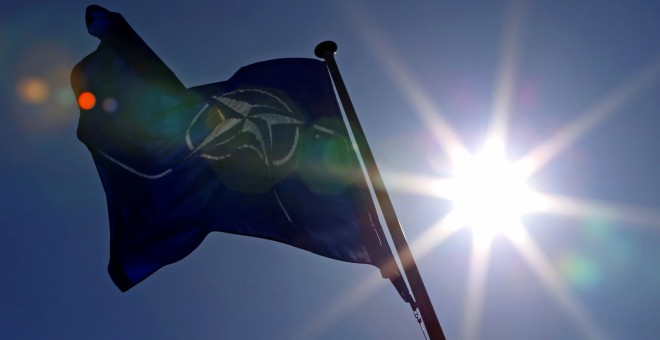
(326, 50)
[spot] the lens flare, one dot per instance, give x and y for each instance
(110, 105)
(33, 90)
(580, 271)
(86, 101)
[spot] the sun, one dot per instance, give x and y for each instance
(489, 193)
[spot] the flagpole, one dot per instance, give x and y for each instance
(326, 50)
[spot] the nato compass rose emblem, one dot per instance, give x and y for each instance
(248, 136)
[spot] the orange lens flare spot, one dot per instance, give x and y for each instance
(33, 90)
(86, 100)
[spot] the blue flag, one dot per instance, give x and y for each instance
(264, 154)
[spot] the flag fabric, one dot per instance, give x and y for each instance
(265, 153)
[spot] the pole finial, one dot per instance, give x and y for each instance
(325, 49)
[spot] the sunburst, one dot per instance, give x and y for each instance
(489, 192)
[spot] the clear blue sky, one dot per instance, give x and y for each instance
(595, 62)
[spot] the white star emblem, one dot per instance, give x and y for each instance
(258, 130)
(259, 117)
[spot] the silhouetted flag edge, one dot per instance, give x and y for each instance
(139, 179)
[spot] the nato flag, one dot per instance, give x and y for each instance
(265, 154)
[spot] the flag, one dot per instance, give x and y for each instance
(265, 153)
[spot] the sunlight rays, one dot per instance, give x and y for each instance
(455, 149)
(432, 237)
(497, 138)
(568, 206)
(436, 234)
(452, 146)
(505, 86)
(476, 286)
(418, 185)
(431, 116)
(595, 114)
(348, 302)
(532, 254)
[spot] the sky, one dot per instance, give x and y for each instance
(573, 84)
